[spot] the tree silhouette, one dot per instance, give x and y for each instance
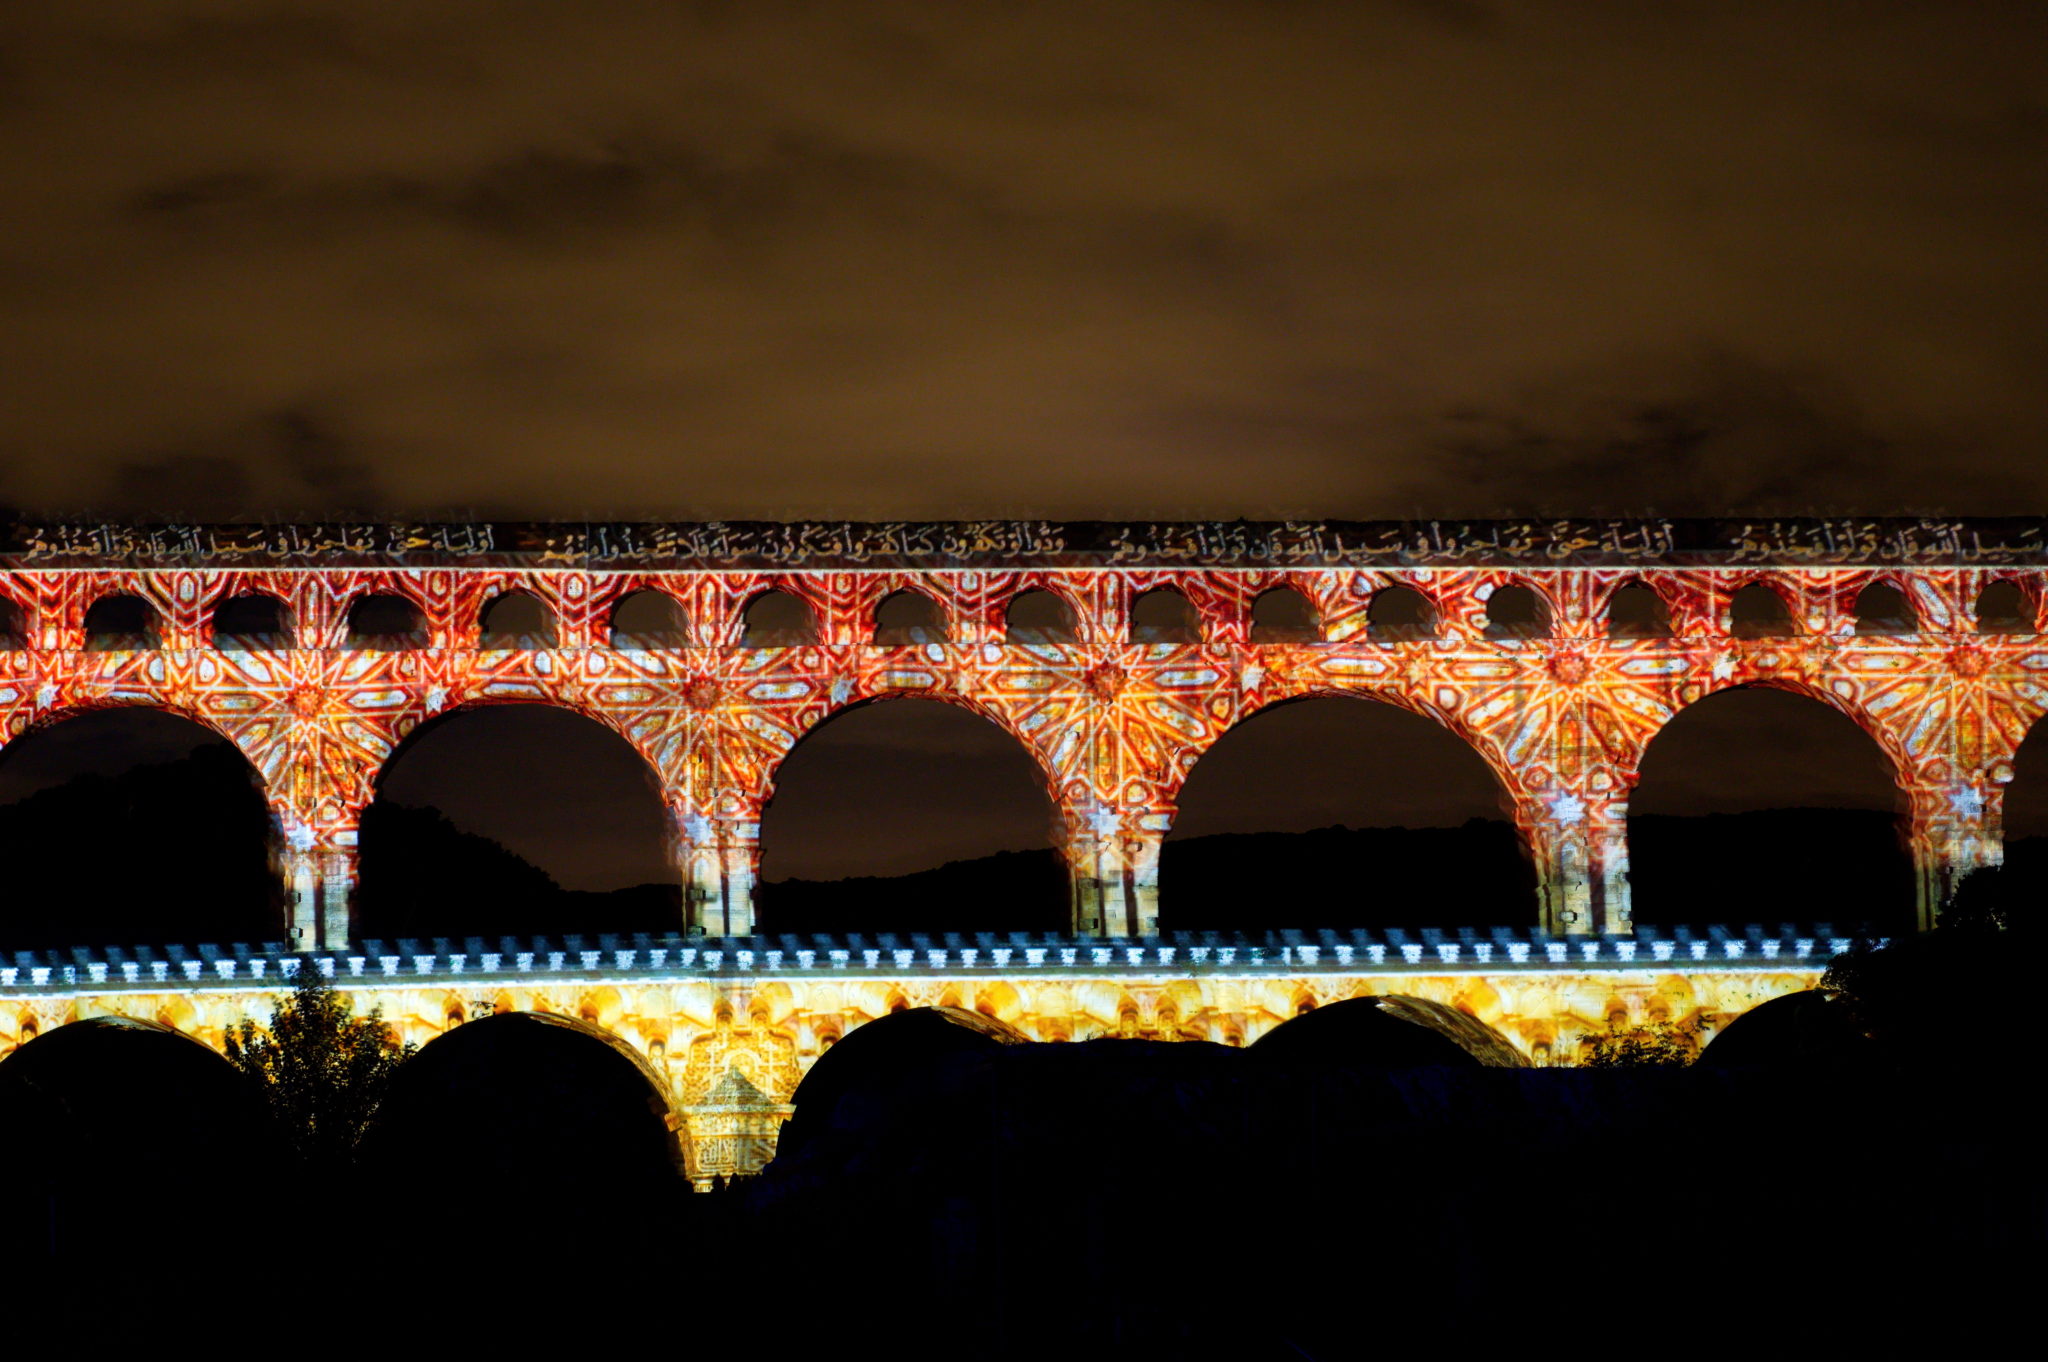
(323, 1070)
(1655, 1044)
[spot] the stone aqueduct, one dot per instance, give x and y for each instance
(1921, 632)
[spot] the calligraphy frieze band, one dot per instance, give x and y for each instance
(848, 546)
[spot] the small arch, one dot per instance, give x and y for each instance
(1163, 615)
(1039, 617)
(121, 624)
(1515, 612)
(1758, 611)
(517, 621)
(1883, 609)
(253, 623)
(383, 622)
(1284, 615)
(1399, 614)
(13, 628)
(1637, 610)
(907, 618)
(778, 619)
(650, 621)
(2003, 608)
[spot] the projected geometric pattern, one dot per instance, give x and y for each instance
(1114, 725)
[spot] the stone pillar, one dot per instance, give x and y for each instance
(337, 894)
(1580, 846)
(719, 859)
(301, 869)
(1113, 865)
(320, 874)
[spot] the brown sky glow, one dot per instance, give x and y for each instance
(1208, 258)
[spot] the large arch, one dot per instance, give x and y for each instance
(136, 1158)
(1760, 803)
(516, 820)
(530, 1098)
(1338, 812)
(553, 1156)
(909, 813)
(133, 825)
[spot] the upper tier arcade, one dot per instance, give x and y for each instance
(1115, 654)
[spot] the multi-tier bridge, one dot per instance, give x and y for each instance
(1115, 655)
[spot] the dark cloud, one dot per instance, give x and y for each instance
(919, 259)
(1715, 434)
(290, 457)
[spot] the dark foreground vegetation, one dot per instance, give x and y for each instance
(1840, 1171)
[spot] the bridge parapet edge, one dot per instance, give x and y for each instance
(746, 959)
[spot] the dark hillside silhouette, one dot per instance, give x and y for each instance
(2026, 869)
(1044, 1195)
(1011, 891)
(176, 851)
(1841, 866)
(423, 877)
(184, 851)
(1473, 875)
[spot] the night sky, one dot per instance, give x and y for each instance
(934, 259)
(1214, 258)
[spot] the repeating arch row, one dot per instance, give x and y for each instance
(1077, 803)
(541, 611)
(1562, 720)
(682, 1040)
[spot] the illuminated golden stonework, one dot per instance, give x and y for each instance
(725, 1050)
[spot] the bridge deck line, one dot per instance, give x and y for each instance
(642, 958)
